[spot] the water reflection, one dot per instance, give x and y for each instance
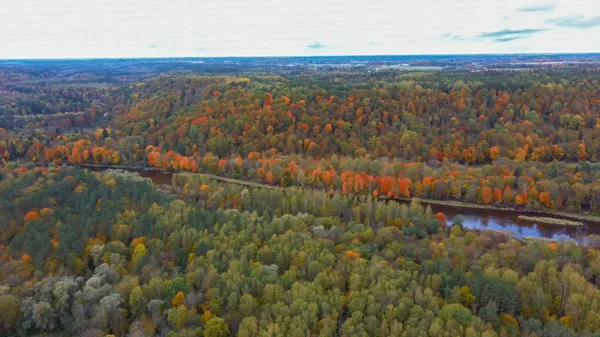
(508, 222)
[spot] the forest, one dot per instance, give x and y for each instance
(326, 236)
(528, 139)
(96, 254)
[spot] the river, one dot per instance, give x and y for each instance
(481, 219)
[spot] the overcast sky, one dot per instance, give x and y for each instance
(156, 28)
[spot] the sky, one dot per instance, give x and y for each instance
(175, 28)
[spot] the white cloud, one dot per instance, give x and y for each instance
(128, 28)
(577, 21)
(537, 6)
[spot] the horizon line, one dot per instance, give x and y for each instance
(285, 56)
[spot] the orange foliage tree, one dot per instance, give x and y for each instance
(31, 216)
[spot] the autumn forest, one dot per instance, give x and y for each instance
(294, 206)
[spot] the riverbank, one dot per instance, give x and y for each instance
(468, 205)
(121, 167)
(537, 239)
(444, 203)
(549, 221)
(167, 173)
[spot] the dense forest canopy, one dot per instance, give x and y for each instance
(95, 254)
(528, 139)
(301, 234)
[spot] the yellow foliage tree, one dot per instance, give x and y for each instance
(206, 316)
(177, 299)
(138, 253)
